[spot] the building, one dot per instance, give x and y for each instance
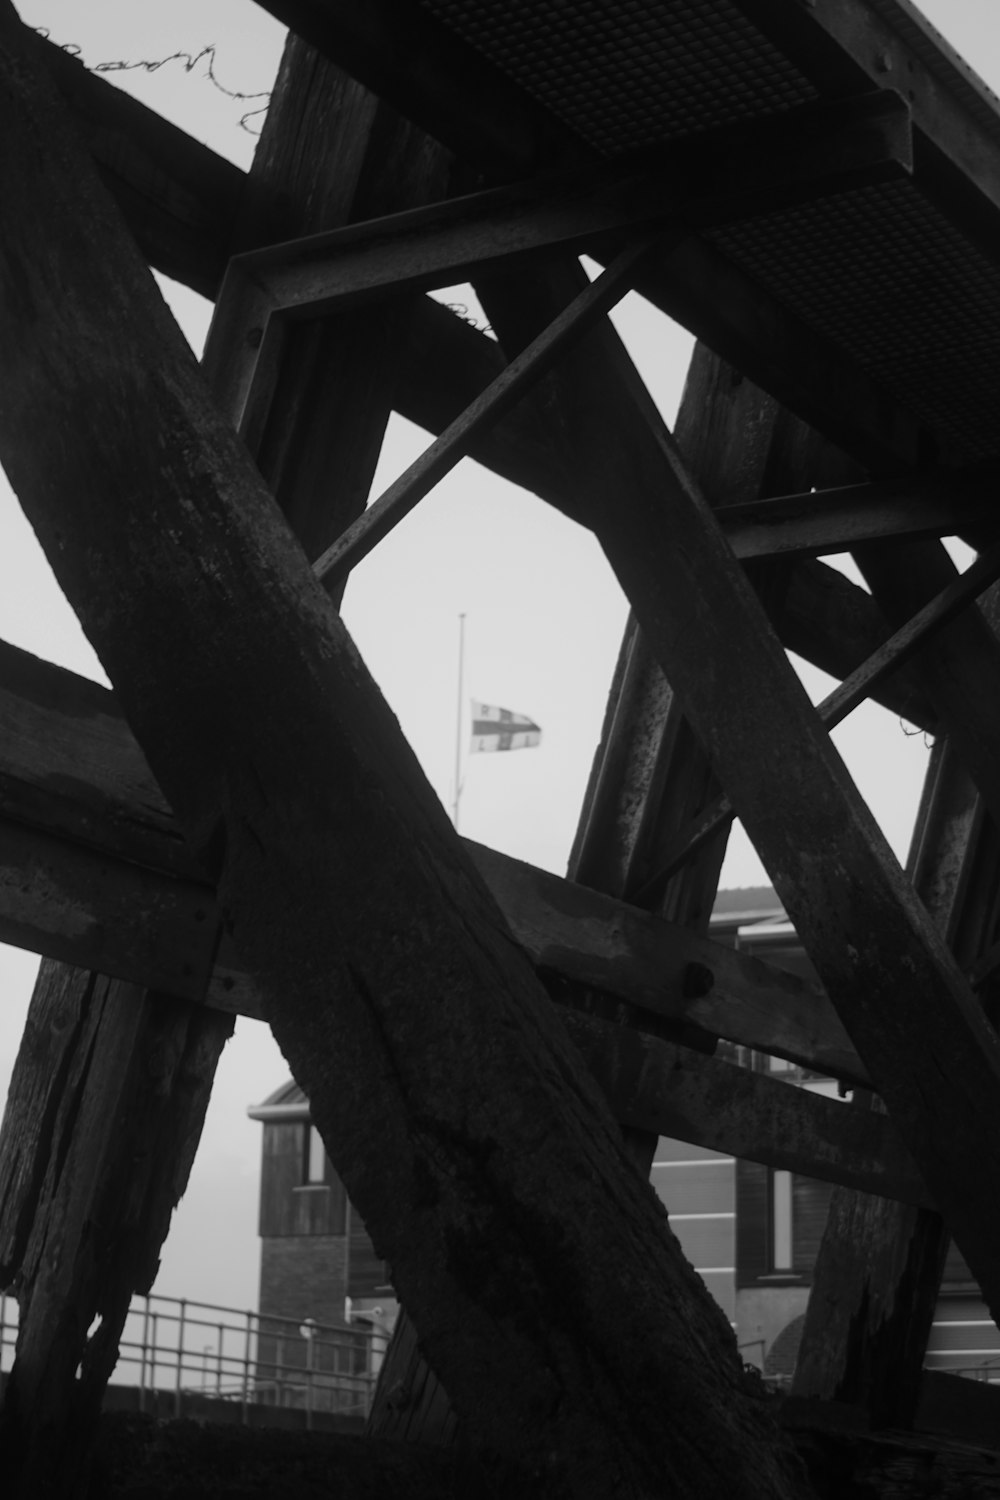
(752, 1232)
(325, 1301)
(317, 1260)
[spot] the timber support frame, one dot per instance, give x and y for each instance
(178, 857)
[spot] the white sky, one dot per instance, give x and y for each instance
(543, 613)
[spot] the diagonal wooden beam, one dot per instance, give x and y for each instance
(158, 173)
(825, 618)
(326, 842)
(180, 199)
(932, 1056)
(915, 635)
(660, 1087)
(94, 1212)
(878, 1273)
(93, 870)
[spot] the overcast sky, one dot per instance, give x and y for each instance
(543, 613)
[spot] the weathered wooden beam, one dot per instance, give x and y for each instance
(833, 623)
(158, 173)
(104, 1113)
(93, 870)
(930, 1053)
(915, 635)
(47, 1433)
(65, 901)
(659, 1086)
(836, 520)
(825, 618)
(879, 1269)
(326, 840)
(179, 199)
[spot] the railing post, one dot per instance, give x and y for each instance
(152, 1357)
(143, 1346)
(180, 1358)
(246, 1368)
(309, 1379)
(218, 1362)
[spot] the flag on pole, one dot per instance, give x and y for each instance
(498, 729)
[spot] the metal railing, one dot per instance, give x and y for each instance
(197, 1349)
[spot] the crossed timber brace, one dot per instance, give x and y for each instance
(735, 617)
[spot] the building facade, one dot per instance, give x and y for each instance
(751, 1232)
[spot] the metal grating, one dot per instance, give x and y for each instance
(881, 273)
(626, 75)
(910, 299)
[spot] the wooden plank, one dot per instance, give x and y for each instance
(660, 1086)
(99, 1135)
(490, 1137)
(59, 900)
(930, 1053)
(84, 817)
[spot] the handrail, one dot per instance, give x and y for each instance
(201, 1349)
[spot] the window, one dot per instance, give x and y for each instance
(314, 1172)
(780, 1218)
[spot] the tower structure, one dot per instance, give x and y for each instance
(814, 191)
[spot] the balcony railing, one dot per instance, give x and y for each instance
(188, 1349)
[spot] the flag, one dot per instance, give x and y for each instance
(498, 729)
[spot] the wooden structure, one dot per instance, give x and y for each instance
(814, 190)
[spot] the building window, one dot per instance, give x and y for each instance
(314, 1172)
(780, 1218)
(782, 1256)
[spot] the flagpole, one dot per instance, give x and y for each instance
(458, 719)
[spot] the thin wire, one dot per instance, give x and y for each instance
(188, 61)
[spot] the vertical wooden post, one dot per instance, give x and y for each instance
(79, 1242)
(467, 1133)
(878, 1274)
(104, 1114)
(648, 779)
